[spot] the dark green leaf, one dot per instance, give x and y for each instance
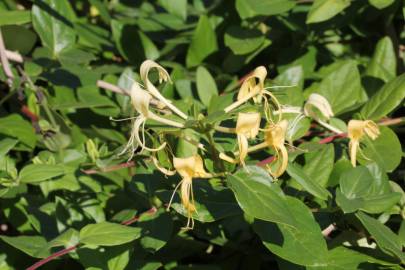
(53, 21)
(307, 183)
(385, 100)
(388, 241)
(322, 10)
(108, 234)
(206, 86)
(40, 172)
(203, 43)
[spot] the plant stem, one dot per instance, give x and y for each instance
(62, 252)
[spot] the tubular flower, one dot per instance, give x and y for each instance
(140, 101)
(275, 138)
(247, 127)
(163, 76)
(356, 130)
(250, 84)
(321, 103)
(188, 168)
(253, 87)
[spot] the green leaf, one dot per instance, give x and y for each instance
(15, 126)
(259, 197)
(243, 40)
(342, 87)
(341, 258)
(319, 164)
(203, 43)
(380, 4)
(52, 20)
(34, 173)
(360, 190)
(108, 234)
(10, 17)
(303, 244)
(253, 8)
(6, 145)
(385, 150)
(156, 230)
(35, 246)
(390, 96)
(307, 183)
(388, 241)
(126, 36)
(206, 87)
(212, 203)
(323, 10)
(175, 7)
(383, 64)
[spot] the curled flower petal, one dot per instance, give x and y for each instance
(250, 88)
(275, 138)
(356, 131)
(254, 82)
(319, 102)
(163, 76)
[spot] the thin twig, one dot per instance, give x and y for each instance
(14, 56)
(113, 88)
(5, 63)
(62, 252)
(110, 168)
(328, 230)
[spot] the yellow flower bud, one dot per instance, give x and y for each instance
(356, 131)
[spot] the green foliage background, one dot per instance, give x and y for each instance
(63, 184)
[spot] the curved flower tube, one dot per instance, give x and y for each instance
(140, 100)
(247, 127)
(275, 138)
(253, 87)
(188, 168)
(250, 88)
(163, 76)
(356, 130)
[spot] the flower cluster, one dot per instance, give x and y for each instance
(263, 121)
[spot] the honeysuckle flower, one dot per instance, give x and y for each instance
(253, 87)
(140, 101)
(319, 102)
(188, 168)
(275, 138)
(323, 106)
(247, 127)
(163, 76)
(356, 131)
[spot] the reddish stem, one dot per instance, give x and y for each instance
(111, 168)
(62, 252)
(51, 257)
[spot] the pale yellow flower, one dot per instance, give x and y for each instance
(163, 76)
(275, 138)
(323, 106)
(188, 168)
(247, 127)
(356, 131)
(140, 100)
(253, 87)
